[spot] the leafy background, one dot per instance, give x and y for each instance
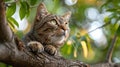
(94, 25)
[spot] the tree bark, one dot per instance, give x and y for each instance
(11, 54)
(5, 32)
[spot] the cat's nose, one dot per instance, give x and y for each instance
(62, 32)
(63, 27)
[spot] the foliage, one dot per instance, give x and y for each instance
(80, 45)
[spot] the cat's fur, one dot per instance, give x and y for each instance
(49, 32)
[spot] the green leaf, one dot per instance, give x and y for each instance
(83, 38)
(112, 10)
(107, 19)
(33, 2)
(28, 9)
(11, 10)
(118, 31)
(11, 24)
(24, 9)
(13, 21)
(56, 5)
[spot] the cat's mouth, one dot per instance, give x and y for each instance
(57, 40)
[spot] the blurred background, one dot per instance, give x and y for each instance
(94, 26)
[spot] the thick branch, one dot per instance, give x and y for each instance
(5, 32)
(10, 54)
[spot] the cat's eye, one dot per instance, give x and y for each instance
(53, 22)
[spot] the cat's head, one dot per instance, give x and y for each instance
(51, 29)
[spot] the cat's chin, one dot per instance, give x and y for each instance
(58, 40)
(61, 40)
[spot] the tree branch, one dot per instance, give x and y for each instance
(11, 55)
(112, 46)
(111, 49)
(5, 32)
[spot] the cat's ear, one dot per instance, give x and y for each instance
(41, 11)
(67, 16)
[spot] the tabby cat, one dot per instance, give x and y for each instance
(48, 33)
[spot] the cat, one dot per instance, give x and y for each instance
(49, 31)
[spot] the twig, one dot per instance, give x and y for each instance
(99, 27)
(111, 48)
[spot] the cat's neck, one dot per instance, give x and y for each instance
(29, 37)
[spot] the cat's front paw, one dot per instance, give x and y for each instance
(50, 49)
(35, 47)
